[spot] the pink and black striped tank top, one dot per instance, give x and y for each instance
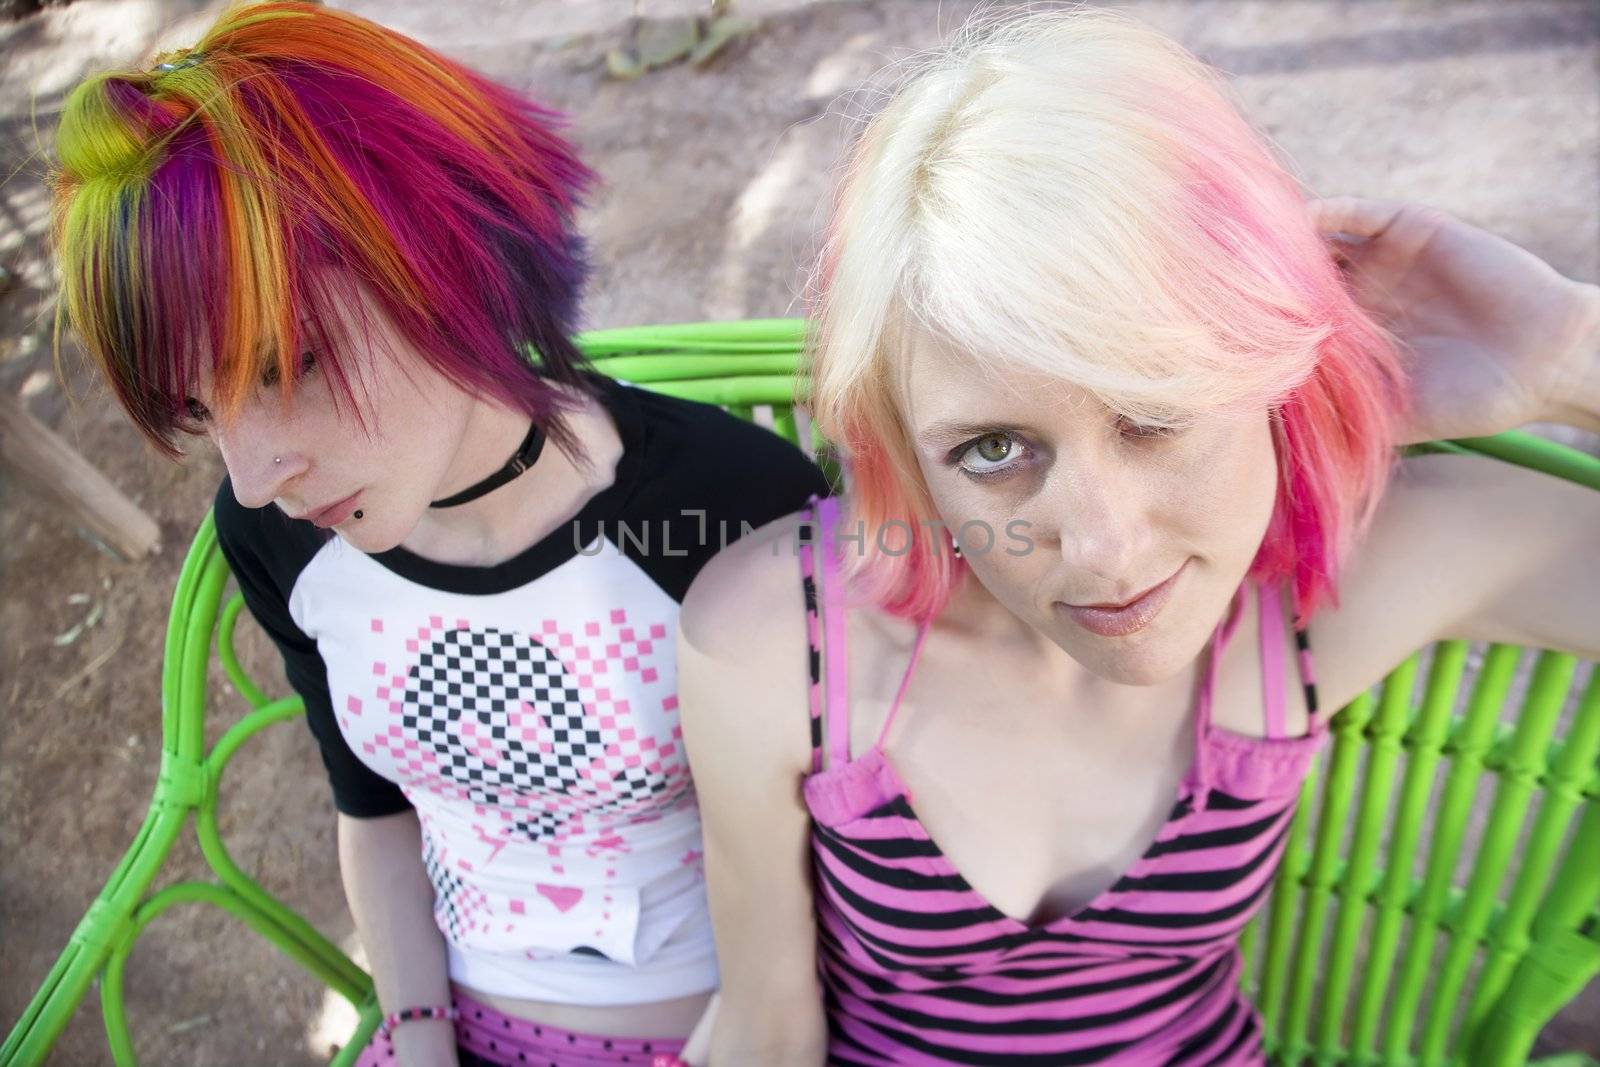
(918, 968)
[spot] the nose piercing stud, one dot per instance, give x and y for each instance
(277, 459)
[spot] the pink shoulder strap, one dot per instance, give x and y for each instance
(836, 659)
(905, 680)
(830, 694)
(808, 577)
(1272, 660)
(1219, 640)
(1275, 670)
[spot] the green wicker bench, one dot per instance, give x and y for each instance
(1392, 936)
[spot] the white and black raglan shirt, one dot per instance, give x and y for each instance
(528, 711)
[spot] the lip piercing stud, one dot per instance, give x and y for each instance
(277, 459)
(358, 513)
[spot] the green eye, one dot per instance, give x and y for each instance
(991, 454)
(994, 448)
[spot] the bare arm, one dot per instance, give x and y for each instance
(1577, 401)
(391, 901)
(1493, 337)
(1463, 547)
(1548, 590)
(742, 690)
(1472, 548)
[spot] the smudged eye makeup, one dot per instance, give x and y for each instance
(197, 414)
(989, 455)
(271, 376)
(1002, 452)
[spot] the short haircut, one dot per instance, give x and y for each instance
(209, 212)
(1073, 192)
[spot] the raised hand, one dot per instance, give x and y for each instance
(1495, 337)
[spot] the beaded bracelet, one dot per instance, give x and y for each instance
(406, 1015)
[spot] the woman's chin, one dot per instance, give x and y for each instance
(1150, 657)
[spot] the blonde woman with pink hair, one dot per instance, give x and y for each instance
(996, 755)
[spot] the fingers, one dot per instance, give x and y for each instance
(1355, 215)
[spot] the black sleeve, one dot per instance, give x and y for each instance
(266, 552)
(737, 475)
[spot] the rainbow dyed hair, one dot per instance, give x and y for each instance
(1073, 192)
(210, 212)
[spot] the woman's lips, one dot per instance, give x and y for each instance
(335, 513)
(1130, 617)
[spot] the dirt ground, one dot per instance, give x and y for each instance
(715, 179)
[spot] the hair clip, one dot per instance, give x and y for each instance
(190, 60)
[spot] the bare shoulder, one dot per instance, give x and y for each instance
(743, 661)
(742, 697)
(1451, 540)
(749, 596)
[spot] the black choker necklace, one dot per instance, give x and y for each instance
(524, 458)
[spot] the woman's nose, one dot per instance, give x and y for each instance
(259, 462)
(1102, 531)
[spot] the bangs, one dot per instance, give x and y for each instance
(1130, 280)
(166, 302)
(228, 210)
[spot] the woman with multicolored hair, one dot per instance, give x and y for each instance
(352, 264)
(1003, 766)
